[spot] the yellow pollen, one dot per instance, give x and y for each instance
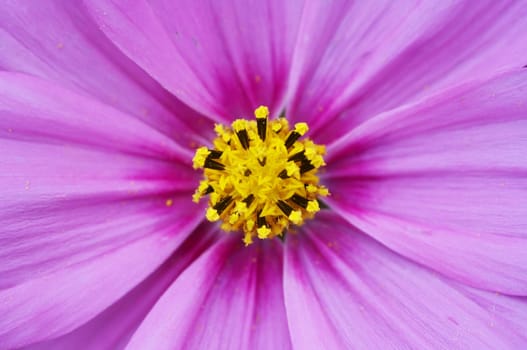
(260, 176)
(301, 128)
(263, 232)
(200, 157)
(212, 215)
(261, 112)
(296, 217)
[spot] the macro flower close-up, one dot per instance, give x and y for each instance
(263, 174)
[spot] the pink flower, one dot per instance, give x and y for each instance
(422, 107)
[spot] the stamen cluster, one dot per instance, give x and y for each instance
(260, 176)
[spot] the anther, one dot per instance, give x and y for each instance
(312, 206)
(263, 229)
(223, 204)
(243, 137)
(240, 128)
(283, 174)
(212, 164)
(249, 200)
(300, 130)
(261, 114)
(209, 189)
(261, 124)
(299, 200)
(260, 220)
(284, 207)
(214, 154)
(297, 157)
(291, 139)
(306, 166)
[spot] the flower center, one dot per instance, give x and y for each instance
(261, 177)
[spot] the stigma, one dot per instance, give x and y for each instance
(260, 176)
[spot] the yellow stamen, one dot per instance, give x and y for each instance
(263, 232)
(301, 128)
(323, 191)
(212, 214)
(200, 157)
(292, 169)
(296, 217)
(261, 112)
(239, 124)
(276, 127)
(312, 207)
(311, 189)
(261, 176)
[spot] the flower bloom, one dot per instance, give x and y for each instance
(421, 106)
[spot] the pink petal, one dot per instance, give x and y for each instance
(230, 298)
(70, 187)
(344, 290)
(48, 236)
(354, 60)
(57, 40)
(443, 182)
(222, 58)
(115, 325)
(55, 304)
(35, 110)
(38, 172)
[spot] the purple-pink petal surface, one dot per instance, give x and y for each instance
(422, 107)
(210, 51)
(443, 182)
(343, 290)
